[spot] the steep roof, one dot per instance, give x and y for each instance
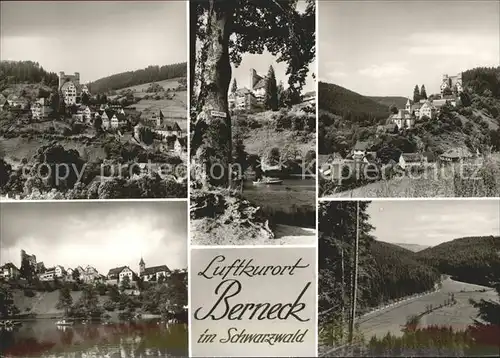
(260, 84)
(155, 269)
(10, 265)
(170, 126)
(116, 270)
(412, 157)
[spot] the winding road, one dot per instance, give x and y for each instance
(459, 316)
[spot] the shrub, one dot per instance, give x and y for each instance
(29, 293)
(109, 306)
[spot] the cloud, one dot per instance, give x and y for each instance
(105, 235)
(481, 47)
(336, 74)
(388, 69)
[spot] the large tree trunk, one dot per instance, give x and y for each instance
(211, 145)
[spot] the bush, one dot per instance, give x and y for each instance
(109, 306)
(29, 293)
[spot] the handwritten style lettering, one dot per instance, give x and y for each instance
(223, 309)
(245, 267)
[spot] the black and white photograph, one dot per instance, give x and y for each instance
(107, 280)
(409, 99)
(409, 279)
(253, 301)
(93, 99)
(253, 122)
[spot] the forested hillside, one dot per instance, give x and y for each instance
(483, 80)
(15, 72)
(350, 105)
(389, 101)
(398, 273)
(386, 271)
(138, 77)
(469, 259)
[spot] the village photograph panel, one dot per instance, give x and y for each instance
(93, 100)
(409, 99)
(399, 278)
(108, 280)
(252, 122)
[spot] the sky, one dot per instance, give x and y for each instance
(432, 222)
(385, 48)
(95, 38)
(101, 234)
(261, 63)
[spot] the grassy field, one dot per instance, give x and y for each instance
(446, 182)
(171, 84)
(459, 316)
(259, 140)
(174, 109)
(44, 303)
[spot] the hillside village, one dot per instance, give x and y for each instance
(267, 120)
(140, 125)
(126, 293)
(455, 125)
(89, 275)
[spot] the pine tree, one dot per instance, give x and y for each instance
(235, 86)
(271, 98)
(281, 95)
(423, 94)
(416, 94)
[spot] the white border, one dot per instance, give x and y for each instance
(188, 238)
(316, 336)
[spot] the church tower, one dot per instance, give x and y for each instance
(408, 106)
(142, 266)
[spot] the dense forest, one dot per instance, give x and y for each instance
(13, 72)
(483, 80)
(350, 105)
(386, 271)
(397, 273)
(138, 77)
(474, 259)
(389, 101)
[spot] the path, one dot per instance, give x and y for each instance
(459, 316)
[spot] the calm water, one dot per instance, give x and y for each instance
(42, 338)
(287, 185)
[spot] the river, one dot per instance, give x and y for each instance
(288, 184)
(42, 338)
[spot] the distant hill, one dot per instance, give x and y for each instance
(399, 102)
(412, 247)
(350, 105)
(139, 77)
(468, 259)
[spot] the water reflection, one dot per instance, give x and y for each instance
(43, 338)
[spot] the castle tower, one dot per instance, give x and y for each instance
(254, 78)
(77, 78)
(142, 266)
